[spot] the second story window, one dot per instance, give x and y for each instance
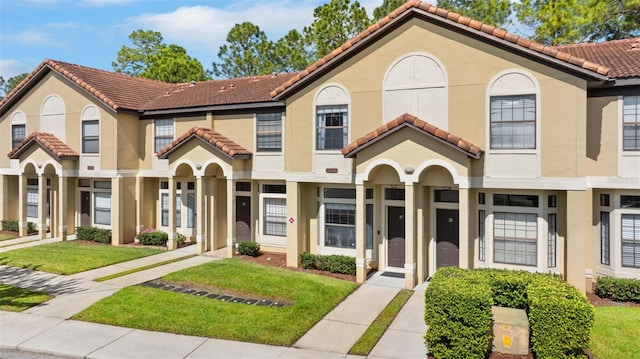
(18, 133)
(631, 123)
(90, 137)
(331, 127)
(269, 132)
(513, 122)
(163, 134)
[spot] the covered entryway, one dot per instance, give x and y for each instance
(447, 237)
(395, 235)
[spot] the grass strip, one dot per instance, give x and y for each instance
(4, 237)
(615, 333)
(16, 299)
(312, 297)
(372, 335)
(72, 257)
(134, 270)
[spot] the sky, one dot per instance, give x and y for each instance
(90, 32)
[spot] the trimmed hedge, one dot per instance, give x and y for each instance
(249, 248)
(94, 234)
(618, 289)
(12, 225)
(331, 263)
(458, 316)
(153, 237)
(560, 317)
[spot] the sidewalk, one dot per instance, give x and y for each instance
(46, 328)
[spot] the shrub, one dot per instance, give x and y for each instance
(560, 318)
(249, 248)
(331, 263)
(94, 234)
(458, 316)
(618, 289)
(12, 225)
(153, 237)
(181, 239)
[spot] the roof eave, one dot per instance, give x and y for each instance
(212, 108)
(166, 154)
(353, 153)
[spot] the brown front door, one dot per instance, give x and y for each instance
(395, 234)
(85, 208)
(447, 237)
(243, 218)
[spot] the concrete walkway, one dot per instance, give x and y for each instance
(46, 328)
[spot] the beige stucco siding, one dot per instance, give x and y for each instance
(602, 136)
(470, 66)
(127, 142)
(237, 128)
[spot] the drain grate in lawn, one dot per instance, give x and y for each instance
(221, 297)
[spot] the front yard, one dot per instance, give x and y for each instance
(14, 299)
(72, 257)
(616, 333)
(311, 298)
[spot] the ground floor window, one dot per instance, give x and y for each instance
(604, 238)
(102, 208)
(481, 241)
(340, 225)
(515, 238)
(552, 241)
(275, 217)
(631, 240)
(32, 202)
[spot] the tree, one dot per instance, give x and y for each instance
(492, 12)
(172, 64)
(248, 52)
(386, 8)
(292, 53)
(134, 60)
(334, 24)
(7, 86)
(620, 20)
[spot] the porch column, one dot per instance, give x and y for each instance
(172, 243)
(409, 237)
(117, 211)
(231, 218)
(463, 228)
(578, 216)
(420, 234)
(4, 194)
(294, 240)
(22, 205)
(361, 225)
(212, 224)
(42, 206)
(140, 204)
(62, 209)
(200, 215)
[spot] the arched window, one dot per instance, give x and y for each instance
(18, 128)
(513, 111)
(332, 118)
(52, 117)
(90, 130)
(417, 84)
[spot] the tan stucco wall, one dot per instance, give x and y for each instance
(238, 128)
(196, 151)
(602, 136)
(127, 142)
(470, 66)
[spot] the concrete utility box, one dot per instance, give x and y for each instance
(510, 330)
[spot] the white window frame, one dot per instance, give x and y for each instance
(513, 123)
(634, 240)
(631, 117)
(32, 200)
(17, 119)
(95, 193)
(516, 238)
(262, 132)
(164, 136)
(263, 199)
(332, 94)
(86, 137)
(185, 217)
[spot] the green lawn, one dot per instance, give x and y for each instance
(16, 299)
(72, 257)
(616, 333)
(4, 237)
(312, 296)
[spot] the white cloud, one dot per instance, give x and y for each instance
(11, 67)
(32, 38)
(101, 3)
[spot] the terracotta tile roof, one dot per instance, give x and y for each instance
(622, 56)
(243, 90)
(49, 142)
(405, 120)
(451, 17)
(210, 137)
(117, 91)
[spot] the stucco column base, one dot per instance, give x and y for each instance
(201, 246)
(361, 270)
(231, 249)
(22, 230)
(63, 233)
(410, 276)
(172, 243)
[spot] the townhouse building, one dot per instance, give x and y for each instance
(428, 140)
